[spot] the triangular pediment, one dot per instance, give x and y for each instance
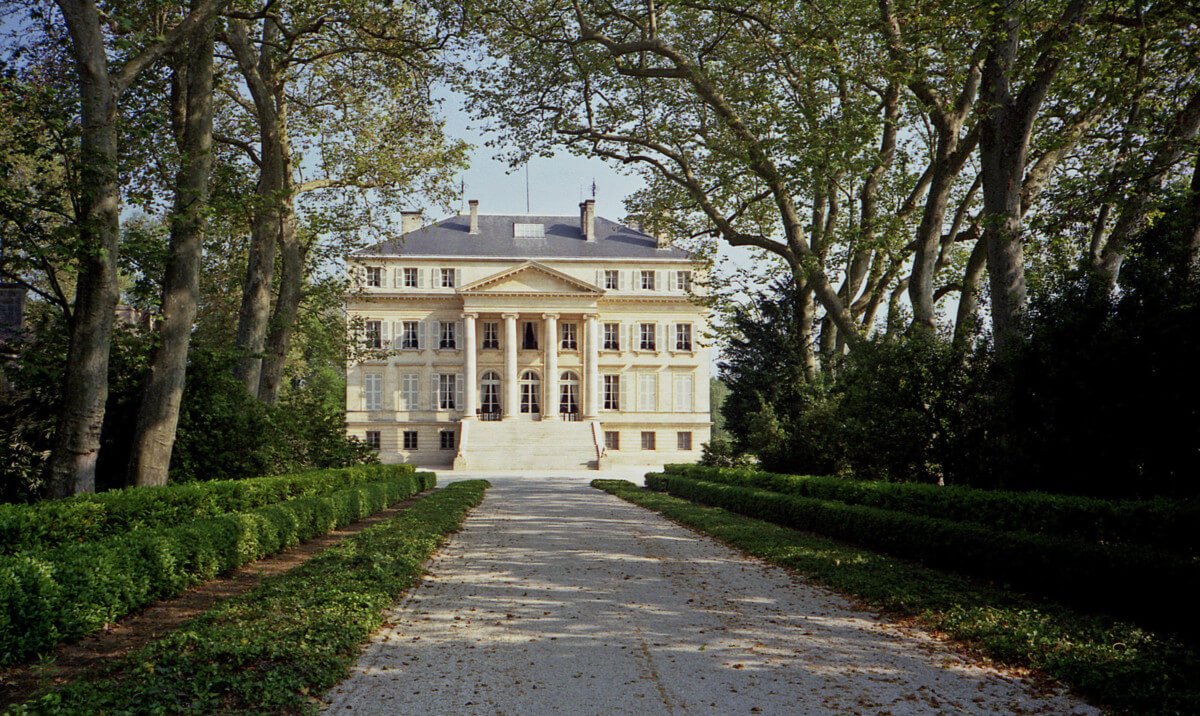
(531, 277)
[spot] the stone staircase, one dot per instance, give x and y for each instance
(528, 445)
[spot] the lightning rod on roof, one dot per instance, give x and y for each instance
(593, 187)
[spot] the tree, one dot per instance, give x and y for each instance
(101, 84)
(192, 117)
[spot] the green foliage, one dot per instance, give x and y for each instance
(1113, 662)
(84, 518)
(720, 452)
(71, 591)
(1149, 586)
(1161, 523)
(273, 649)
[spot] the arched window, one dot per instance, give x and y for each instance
(531, 386)
(489, 394)
(568, 393)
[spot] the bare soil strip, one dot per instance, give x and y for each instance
(70, 662)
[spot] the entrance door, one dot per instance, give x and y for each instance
(489, 396)
(568, 392)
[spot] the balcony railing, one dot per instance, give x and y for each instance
(489, 416)
(569, 417)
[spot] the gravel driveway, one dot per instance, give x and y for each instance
(560, 599)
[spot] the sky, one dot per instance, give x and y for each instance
(556, 185)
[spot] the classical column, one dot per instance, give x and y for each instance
(550, 380)
(511, 396)
(591, 364)
(470, 390)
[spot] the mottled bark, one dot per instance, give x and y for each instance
(966, 323)
(1003, 147)
(158, 414)
(287, 305)
(85, 385)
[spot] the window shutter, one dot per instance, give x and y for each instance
(635, 280)
(435, 399)
(420, 278)
(397, 333)
(457, 277)
(621, 280)
(383, 333)
(624, 392)
(600, 278)
(397, 278)
(658, 338)
(659, 278)
(459, 337)
(421, 328)
(459, 385)
(435, 334)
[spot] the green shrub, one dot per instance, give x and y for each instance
(83, 518)
(275, 648)
(1162, 523)
(73, 590)
(1148, 586)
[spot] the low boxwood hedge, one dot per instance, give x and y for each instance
(51, 523)
(278, 647)
(1163, 523)
(70, 591)
(1149, 586)
(1120, 664)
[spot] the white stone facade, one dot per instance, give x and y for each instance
(492, 362)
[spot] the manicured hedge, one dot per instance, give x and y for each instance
(284, 643)
(1164, 523)
(1149, 586)
(82, 518)
(1119, 664)
(71, 591)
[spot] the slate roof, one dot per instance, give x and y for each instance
(563, 239)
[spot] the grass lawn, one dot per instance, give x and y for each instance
(1114, 663)
(277, 648)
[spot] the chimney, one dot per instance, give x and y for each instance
(474, 216)
(410, 221)
(587, 219)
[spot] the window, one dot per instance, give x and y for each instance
(569, 340)
(612, 336)
(410, 391)
(374, 276)
(449, 340)
(490, 393)
(612, 392)
(647, 392)
(529, 231)
(410, 279)
(374, 334)
(612, 279)
(683, 336)
(683, 441)
(683, 281)
(646, 340)
(448, 278)
(568, 394)
(447, 391)
(373, 439)
(410, 335)
(491, 335)
(612, 440)
(648, 440)
(410, 439)
(647, 280)
(372, 391)
(531, 388)
(529, 337)
(446, 437)
(684, 390)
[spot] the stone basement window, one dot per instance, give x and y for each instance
(612, 440)
(447, 439)
(373, 441)
(410, 439)
(683, 441)
(648, 440)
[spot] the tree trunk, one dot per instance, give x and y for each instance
(85, 388)
(287, 305)
(158, 415)
(966, 322)
(255, 309)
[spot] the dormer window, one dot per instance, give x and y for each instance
(529, 231)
